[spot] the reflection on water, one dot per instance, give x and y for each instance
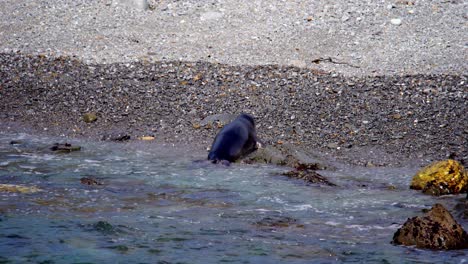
(156, 205)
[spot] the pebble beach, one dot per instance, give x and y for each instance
(366, 83)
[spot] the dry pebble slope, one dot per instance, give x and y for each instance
(357, 35)
(382, 120)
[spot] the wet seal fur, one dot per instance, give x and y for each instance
(235, 140)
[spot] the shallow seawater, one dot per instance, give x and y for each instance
(155, 205)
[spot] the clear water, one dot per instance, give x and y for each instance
(157, 206)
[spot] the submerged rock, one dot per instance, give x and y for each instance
(89, 117)
(64, 148)
(104, 227)
(277, 222)
(89, 181)
(18, 188)
(309, 176)
(441, 177)
(436, 230)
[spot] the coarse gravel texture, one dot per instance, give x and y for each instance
(374, 121)
(351, 38)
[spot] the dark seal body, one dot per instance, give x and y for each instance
(235, 140)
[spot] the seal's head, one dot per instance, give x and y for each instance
(248, 118)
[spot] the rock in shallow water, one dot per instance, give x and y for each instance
(89, 181)
(287, 155)
(436, 230)
(11, 188)
(309, 176)
(64, 148)
(441, 177)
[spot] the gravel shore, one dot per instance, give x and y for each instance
(366, 82)
(380, 120)
(351, 37)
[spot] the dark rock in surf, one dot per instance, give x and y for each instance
(288, 155)
(89, 181)
(276, 221)
(64, 148)
(436, 230)
(309, 176)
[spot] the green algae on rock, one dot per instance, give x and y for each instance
(11, 188)
(441, 177)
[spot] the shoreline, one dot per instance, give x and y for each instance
(366, 121)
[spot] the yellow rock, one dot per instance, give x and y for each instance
(18, 188)
(446, 177)
(146, 138)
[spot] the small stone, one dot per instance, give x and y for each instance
(135, 4)
(211, 16)
(396, 21)
(298, 63)
(332, 145)
(147, 138)
(89, 117)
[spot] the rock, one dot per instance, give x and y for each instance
(268, 154)
(396, 21)
(135, 4)
(441, 177)
(309, 176)
(105, 228)
(275, 221)
(89, 117)
(89, 181)
(436, 230)
(64, 148)
(118, 136)
(287, 155)
(18, 188)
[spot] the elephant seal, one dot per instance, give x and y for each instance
(235, 140)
